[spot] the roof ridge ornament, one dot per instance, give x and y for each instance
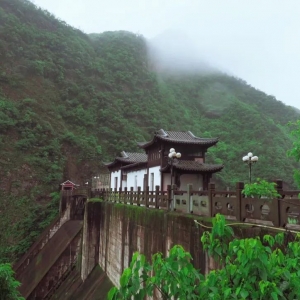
(162, 132)
(124, 154)
(191, 134)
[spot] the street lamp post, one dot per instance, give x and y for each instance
(173, 156)
(173, 159)
(249, 159)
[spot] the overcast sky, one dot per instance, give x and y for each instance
(256, 40)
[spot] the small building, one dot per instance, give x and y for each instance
(133, 176)
(68, 185)
(153, 167)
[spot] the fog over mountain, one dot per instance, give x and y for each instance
(254, 40)
(174, 50)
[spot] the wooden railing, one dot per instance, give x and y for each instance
(282, 212)
(154, 199)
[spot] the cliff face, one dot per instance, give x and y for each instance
(69, 101)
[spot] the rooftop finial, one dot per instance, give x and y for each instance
(123, 154)
(162, 132)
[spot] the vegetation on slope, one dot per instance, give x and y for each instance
(8, 284)
(69, 101)
(295, 151)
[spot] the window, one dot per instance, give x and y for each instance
(195, 153)
(116, 182)
(154, 155)
(152, 181)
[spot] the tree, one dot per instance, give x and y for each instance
(261, 188)
(295, 151)
(8, 284)
(251, 268)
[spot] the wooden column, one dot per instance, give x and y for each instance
(146, 193)
(169, 196)
(211, 190)
(115, 193)
(125, 195)
(119, 196)
(139, 196)
(131, 196)
(239, 196)
(156, 196)
(279, 188)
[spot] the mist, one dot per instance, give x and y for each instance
(175, 51)
(255, 40)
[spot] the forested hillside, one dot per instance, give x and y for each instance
(69, 101)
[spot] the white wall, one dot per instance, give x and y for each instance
(157, 177)
(167, 180)
(113, 175)
(136, 179)
(195, 179)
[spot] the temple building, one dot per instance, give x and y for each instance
(154, 167)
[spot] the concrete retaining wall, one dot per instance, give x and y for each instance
(113, 232)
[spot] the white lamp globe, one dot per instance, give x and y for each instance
(246, 158)
(254, 158)
(178, 155)
(250, 154)
(172, 150)
(174, 154)
(171, 154)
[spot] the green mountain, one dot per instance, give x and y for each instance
(69, 101)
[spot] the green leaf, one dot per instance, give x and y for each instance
(125, 277)
(274, 296)
(244, 294)
(238, 290)
(227, 292)
(112, 293)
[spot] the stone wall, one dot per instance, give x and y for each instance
(91, 238)
(113, 232)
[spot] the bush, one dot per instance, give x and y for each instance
(261, 188)
(8, 284)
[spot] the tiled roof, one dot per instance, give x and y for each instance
(132, 157)
(129, 158)
(191, 165)
(137, 164)
(180, 137)
(69, 182)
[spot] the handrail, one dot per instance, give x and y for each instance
(30, 252)
(233, 204)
